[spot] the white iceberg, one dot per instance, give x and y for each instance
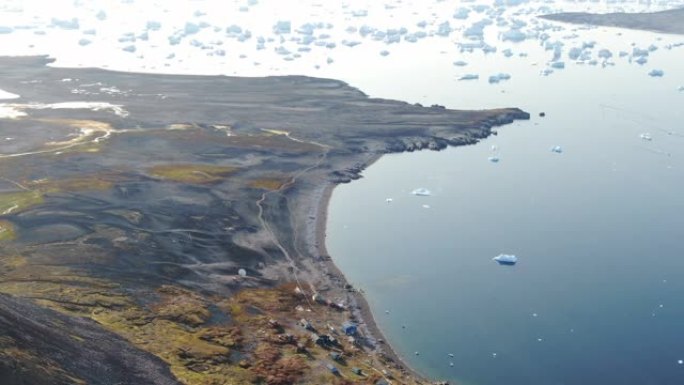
(557, 149)
(421, 192)
(646, 136)
(506, 259)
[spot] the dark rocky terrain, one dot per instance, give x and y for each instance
(671, 21)
(125, 222)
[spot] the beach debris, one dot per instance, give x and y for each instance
(493, 159)
(506, 259)
(557, 149)
(242, 273)
(421, 192)
(646, 136)
(333, 369)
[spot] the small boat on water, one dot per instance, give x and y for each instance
(506, 259)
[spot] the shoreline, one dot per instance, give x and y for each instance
(360, 307)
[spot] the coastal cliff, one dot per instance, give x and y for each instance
(178, 221)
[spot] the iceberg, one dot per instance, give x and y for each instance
(557, 149)
(656, 73)
(421, 192)
(506, 259)
(646, 136)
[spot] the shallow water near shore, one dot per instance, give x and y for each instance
(596, 295)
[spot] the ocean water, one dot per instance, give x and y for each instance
(596, 295)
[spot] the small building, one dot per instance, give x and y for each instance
(349, 328)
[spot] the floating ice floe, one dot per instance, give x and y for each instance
(559, 65)
(656, 73)
(66, 24)
(493, 159)
(557, 149)
(421, 192)
(469, 77)
(646, 136)
(460, 63)
(506, 259)
(499, 78)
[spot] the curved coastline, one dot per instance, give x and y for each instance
(361, 307)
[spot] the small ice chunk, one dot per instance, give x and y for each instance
(389, 200)
(656, 73)
(153, 25)
(421, 192)
(5, 30)
(469, 77)
(460, 63)
(641, 60)
(426, 206)
(130, 48)
(680, 362)
(514, 35)
(646, 136)
(506, 259)
(680, 89)
(499, 78)
(84, 42)
(557, 149)
(559, 65)
(384, 53)
(66, 24)
(242, 273)
(493, 159)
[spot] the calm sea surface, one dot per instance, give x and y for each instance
(596, 297)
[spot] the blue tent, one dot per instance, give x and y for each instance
(349, 328)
